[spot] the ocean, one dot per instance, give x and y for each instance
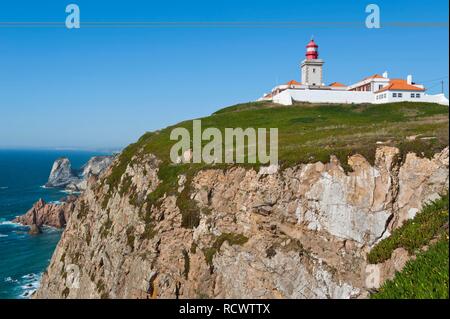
(23, 257)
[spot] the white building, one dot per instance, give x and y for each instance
(376, 89)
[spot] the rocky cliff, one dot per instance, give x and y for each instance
(63, 176)
(300, 232)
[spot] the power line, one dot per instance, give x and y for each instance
(434, 80)
(436, 85)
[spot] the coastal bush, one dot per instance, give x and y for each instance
(426, 277)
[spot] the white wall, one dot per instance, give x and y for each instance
(347, 97)
(406, 96)
(323, 96)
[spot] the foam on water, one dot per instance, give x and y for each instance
(22, 254)
(29, 284)
(9, 223)
(66, 191)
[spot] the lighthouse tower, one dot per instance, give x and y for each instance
(311, 67)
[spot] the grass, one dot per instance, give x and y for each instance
(423, 278)
(414, 233)
(307, 133)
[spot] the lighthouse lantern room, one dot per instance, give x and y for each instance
(311, 67)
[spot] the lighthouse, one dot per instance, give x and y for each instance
(311, 67)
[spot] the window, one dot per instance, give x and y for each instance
(380, 86)
(418, 95)
(400, 94)
(314, 70)
(394, 94)
(413, 95)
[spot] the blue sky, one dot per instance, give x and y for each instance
(105, 87)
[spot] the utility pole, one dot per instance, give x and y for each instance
(442, 86)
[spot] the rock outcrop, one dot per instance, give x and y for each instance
(48, 214)
(34, 230)
(63, 176)
(300, 232)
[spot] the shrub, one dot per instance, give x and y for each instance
(423, 278)
(414, 233)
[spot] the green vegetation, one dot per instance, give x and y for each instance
(307, 133)
(104, 230)
(423, 278)
(126, 184)
(65, 292)
(187, 263)
(83, 210)
(427, 275)
(130, 237)
(231, 238)
(414, 233)
(101, 288)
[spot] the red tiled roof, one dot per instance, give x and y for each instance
(337, 84)
(293, 82)
(399, 85)
(375, 76)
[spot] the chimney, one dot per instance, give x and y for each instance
(385, 74)
(409, 79)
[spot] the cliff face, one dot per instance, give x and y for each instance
(301, 232)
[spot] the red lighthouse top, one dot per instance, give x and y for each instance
(312, 52)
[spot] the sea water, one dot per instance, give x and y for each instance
(23, 257)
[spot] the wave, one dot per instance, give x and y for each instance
(26, 285)
(10, 223)
(29, 276)
(65, 191)
(28, 293)
(30, 282)
(2, 235)
(9, 279)
(3, 187)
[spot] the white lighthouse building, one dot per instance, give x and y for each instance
(375, 89)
